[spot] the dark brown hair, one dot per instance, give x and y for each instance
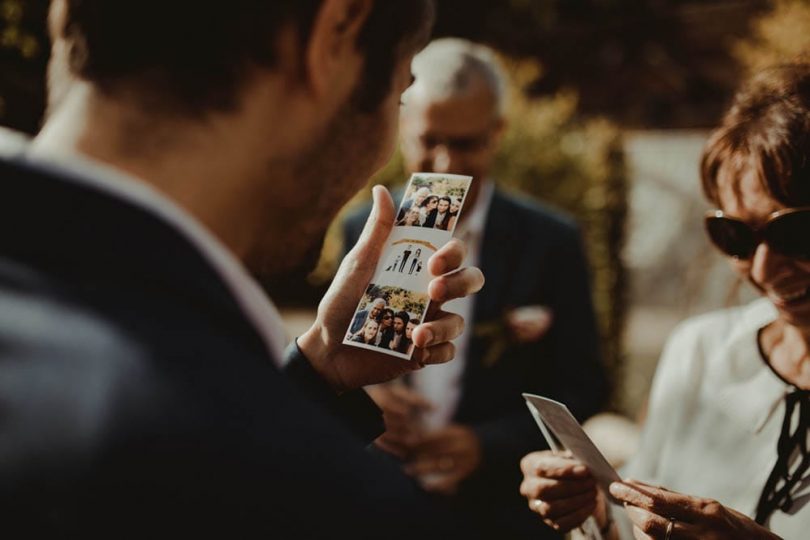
(191, 56)
(767, 128)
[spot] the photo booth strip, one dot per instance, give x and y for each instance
(403, 264)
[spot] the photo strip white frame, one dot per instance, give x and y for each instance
(401, 275)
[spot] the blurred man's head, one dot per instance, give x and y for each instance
(298, 99)
(453, 114)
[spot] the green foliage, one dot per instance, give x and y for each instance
(552, 154)
(397, 299)
(23, 54)
(782, 34)
(13, 35)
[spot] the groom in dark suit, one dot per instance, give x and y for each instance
(140, 388)
(532, 328)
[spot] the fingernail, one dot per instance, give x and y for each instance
(618, 489)
(428, 336)
(580, 469)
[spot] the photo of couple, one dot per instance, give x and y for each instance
(432, 203)
(386, 319)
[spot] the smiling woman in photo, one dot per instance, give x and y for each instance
(368, 333)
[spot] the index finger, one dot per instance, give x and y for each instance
(457, 284)
(450, 257)
(662, 502)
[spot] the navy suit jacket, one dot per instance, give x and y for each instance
(530, 255)
(136, 399)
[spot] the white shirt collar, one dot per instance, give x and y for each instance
(476, 219)
(255, 304)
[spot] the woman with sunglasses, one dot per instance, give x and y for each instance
(386, 331)
(730, 405)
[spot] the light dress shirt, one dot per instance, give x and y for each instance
(441, 384)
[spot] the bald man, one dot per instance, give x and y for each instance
(532, 328)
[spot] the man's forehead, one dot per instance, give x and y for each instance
(456, 114)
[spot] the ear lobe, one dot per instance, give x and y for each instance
(333, 41)
(499, 131)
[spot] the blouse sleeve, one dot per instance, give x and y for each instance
(675, 386)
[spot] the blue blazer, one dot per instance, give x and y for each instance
(137, 400)
(530, 255)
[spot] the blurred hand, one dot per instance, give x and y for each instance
(561, 489)
(442, 459)
(529, 323)
(401, 408)
(650, 509)
(346, 368)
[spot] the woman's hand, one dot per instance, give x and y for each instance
(653, 509)
(561, 490)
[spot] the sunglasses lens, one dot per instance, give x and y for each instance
(732, 237)
(789, 234)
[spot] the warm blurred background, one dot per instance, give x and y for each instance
(611, 103)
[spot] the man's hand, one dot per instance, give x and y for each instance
(401, 408)
(346, 368)
(442, 459)
(653, 510)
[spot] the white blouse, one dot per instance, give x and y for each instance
(715, 415)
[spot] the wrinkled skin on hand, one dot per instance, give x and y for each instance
(650, 508)
(561, 490)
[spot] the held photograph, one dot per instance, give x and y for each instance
(385, 319)
(407, 258)
(433, 201)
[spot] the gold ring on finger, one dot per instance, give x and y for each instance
(670, 528)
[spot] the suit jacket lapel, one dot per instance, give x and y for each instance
(500, 251)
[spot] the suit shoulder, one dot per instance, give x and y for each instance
(537, 215)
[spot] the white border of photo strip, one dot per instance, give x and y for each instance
(413, 238)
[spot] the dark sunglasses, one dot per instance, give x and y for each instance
(785, 231)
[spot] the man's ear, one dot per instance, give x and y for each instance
(333, 41)
(499, 131)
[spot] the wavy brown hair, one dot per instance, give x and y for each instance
(767, 129)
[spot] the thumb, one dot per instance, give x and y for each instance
(378, 227)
